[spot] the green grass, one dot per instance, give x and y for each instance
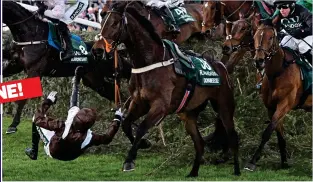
(107, 165)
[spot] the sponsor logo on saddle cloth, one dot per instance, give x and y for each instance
(181, 15)
(79, 46)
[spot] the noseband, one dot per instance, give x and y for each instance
(269, 52)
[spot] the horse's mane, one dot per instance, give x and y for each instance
(145, 23)
(14, 6)
(267, 22)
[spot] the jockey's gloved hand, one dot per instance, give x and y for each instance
(52, 98)
(119, 115)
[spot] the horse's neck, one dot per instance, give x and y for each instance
(232, 9)
(144, 51)
(27, 31)
(274, 67)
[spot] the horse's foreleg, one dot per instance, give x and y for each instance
(155, 115)
(234, 59)
(281, 110)
(134, 113)
(190, 121)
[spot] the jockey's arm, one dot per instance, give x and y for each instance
(112, 130)
(106, 138)
(306, 17)
(44, 121)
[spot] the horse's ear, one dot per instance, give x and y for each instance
(251, 16)
(275, 20)
(241, 15)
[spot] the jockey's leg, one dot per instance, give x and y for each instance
(305, 48)
(70, 14)
(66, 35)
(33, 151)
(167, 12)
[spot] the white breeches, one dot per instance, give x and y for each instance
(161, 3)
(301, 45)
(67, 15)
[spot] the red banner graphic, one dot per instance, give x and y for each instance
(20, 89)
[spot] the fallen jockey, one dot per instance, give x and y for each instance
(63, 15)
(67, 140)
(295, 23)
(164, 6)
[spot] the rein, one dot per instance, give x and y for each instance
(121, 31)
(28, 42)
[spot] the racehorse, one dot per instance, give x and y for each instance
(37, 58)
(216, 12)
(188, 30)
(240, 39)
(282, 88)
(157, 91)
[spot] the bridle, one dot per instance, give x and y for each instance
(269, 53)
(122, 28)
(242, 42)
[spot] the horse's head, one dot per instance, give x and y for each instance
(213, 12)
(112, 28)
(237, 32)
(265, 43)
(14, 13)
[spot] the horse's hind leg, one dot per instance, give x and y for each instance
(218, 139)
(226, 109)
(190, 121)
(282, 146)
(155, 115)
(17, 117)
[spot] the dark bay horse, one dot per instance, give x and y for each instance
(187, 30)
(33, 55)
(239, 39)
(282, 88)
(157, 91)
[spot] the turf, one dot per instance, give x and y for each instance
(150, 165)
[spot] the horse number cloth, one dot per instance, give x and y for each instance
(193, 68)
(79, 46)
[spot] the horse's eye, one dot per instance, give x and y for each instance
(243, 29)
(271, 38)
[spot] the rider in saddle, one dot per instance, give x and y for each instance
(64, 12)
(295, 22)
(164, 6)
(67, 140)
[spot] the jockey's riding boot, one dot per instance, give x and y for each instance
(65, 32)
(308, 56)
(33, 152)
(173, 27)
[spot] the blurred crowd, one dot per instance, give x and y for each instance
(92, 13)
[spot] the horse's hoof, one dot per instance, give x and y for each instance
(129, 166)
(285, 166)
(250, 167)
(11, 130)
(144, 144)
(192, 175)
(237, 173)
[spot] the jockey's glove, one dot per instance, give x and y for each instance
(119, 115)
(51, 98)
